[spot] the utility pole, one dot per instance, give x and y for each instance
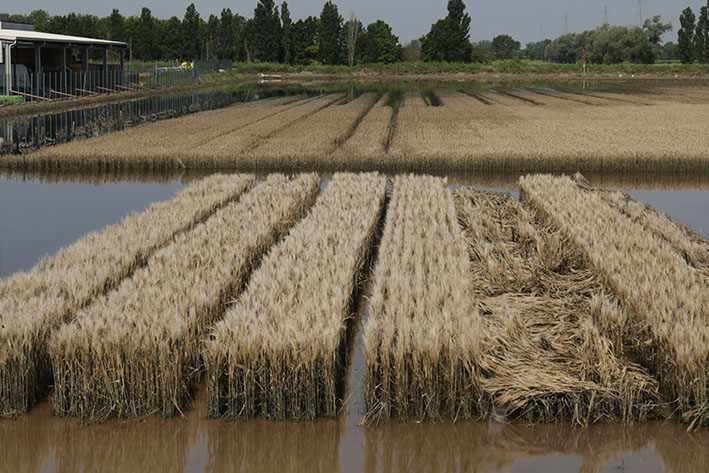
(566, 23)
(605, 15)
(541, 32)
(640, 12)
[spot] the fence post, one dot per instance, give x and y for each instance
(37, 69)
(105, 67)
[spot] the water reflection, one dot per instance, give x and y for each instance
(39, 442)
(488, 180)
(26, 133)
(38, 218)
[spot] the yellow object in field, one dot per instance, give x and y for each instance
(187, 65)
(144, 77)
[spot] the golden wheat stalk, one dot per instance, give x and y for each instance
(422, 337)
(280, 352)
(34, 303)
(135, 351)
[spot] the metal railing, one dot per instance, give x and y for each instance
(50, 86)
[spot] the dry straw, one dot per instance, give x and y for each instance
(665, 297)
(543, 358)
(135, 351)
(34, 303)
(422, 337)
(280, 352)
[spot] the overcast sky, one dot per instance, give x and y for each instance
(525, 20)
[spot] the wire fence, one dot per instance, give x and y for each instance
(50, 86)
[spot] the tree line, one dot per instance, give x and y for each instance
(271, 35)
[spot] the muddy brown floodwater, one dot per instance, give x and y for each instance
(39, 442)
(36, 217)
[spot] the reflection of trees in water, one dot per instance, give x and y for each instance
(490, 447)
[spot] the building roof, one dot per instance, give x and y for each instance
(38, 37)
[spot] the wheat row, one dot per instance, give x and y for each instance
(543, 357)
(135, 351)
(422, 338)
(280, 351)
(34, 303)
(693, 248)
(665, 297)
(502, 130)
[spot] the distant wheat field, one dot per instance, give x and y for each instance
(438, 128)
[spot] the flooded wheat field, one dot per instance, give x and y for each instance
(141, 276)
(39, 215)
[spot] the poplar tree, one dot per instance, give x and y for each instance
(286, 35)
(265, 40)
(190, 34)
(701, 36)
(330, 34)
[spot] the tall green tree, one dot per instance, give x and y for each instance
(211, 38)
(449, 38)
(330, 34)
(286, 35)
(191, 44)
(226, 37)
(504, 47)
(146, 38)
(685, 36)
(115, 26)
(306, 47)
(701, 36)
(654, 30)
(379, 44)
(172, 39)
(264, 40)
